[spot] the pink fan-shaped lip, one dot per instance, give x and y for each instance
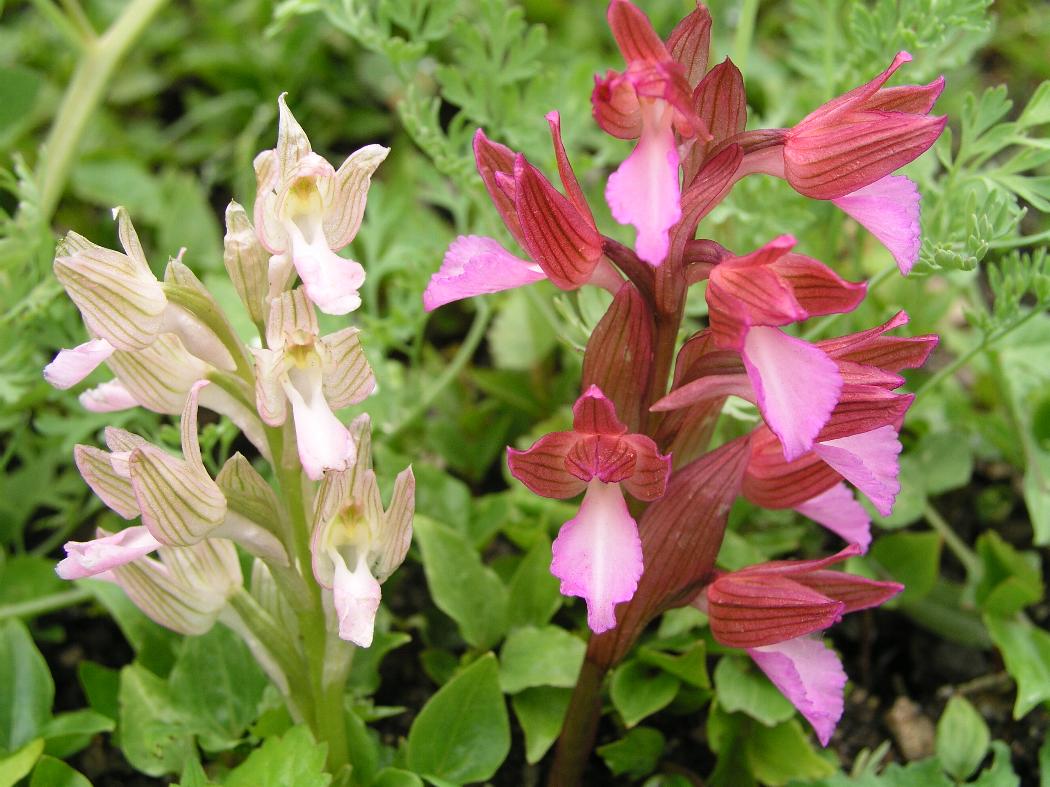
(475, 265)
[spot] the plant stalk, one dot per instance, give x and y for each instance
(579, 729)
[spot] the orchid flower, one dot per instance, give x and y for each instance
(771, 610)
(316, 375)
(356, 545)
(557, 231)
(597, 554)
(306, 211)
(650, 101)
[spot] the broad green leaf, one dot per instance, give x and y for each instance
(107, 182)
(188, 222)
(1001, 773)
(1026, 651)
(25, 577)
(534, 593)
(636, 754)
(638, 691)
(395, 777)
(101, 686)
(51, 772)
(910, 501)
(68, 733)
(463, 733)
(946, 460)
(155, 734)
(782, 753)
(364, 671)
(154, 645)
(18, 763)
(226, 700)
(540, 713)
(548, 656)
(467, 591)
(521, 334)
(1010, 580)
(689, 667)
(193, 775)
(910, 558)
(19, 89)
(741, 687)
(295, 758)
(364, 745)
(26, 688)
(962, 738)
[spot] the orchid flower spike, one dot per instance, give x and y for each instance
(598, 554)
(356, 545)
(771, 609)
(650, 102)
(316, 375)
(306, 211)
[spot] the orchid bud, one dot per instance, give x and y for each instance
(247, 262)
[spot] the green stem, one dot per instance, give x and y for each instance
(966, 556)
(466, 351)
(1024, 240)
(965, 358)
(82, 97)
(45, 604)
(745, 31)
(79, 18)
(62, 23)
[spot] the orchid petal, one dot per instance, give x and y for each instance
(838, 511)
(869, 461)
(324, 441)
(598, 554)
(108, 397)
(71, 366)
(796, 384)
(889, 210)
(88, 558)
(810, 675)
(475, 265)
(356, 594)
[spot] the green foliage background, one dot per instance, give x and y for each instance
(172, 135)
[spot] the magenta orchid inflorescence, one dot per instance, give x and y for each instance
(831, 412)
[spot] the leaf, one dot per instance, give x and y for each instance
(101, 686)
(638, 691)
(25, 577)
(636, 754)
(19, 89)
(395, 777)
(364, 670)
(548, 656)
(745, 689)
(463, 732)
(26, 688)
(68, 733)
(189, 222)
(193, 775)
(782, 753)
(534, 591)
(962, 738)
(155, 735)
(464, 589)
(689, 667)
(154, 645)
(912, 559)
(294, 758)
(225, 703)
(541, 712)
(1026, 651)
(1000, 773)
(1009, 580)
(51, 772)
(947, 462)
(17, 764)
(521, 335)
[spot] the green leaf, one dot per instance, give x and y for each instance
(154, 645)
(155, 734)
(638, 691)
(636, 754)
(521, 334)
(19, 88)
(463, 732)
(911, 500)
(689, 667)
(912, 559)
(25, 577)
(1001, 773)
(548, 656)
(962, 738)
(534, 591)
(364, 671)
(467, 591)
(947, 462)
(1009, 580)
(17, 764)
(395, 777)
(294, 758)
(51, 772)
(541, 712)
(782, 753)
(68, 733)
(741, 687)
(1026, 651)
(227, 702)
(193, 775)
(189, 222)
(26, 688)
(101, 686)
